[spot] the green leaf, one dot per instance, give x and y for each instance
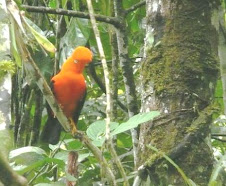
(37, 33)
(13, 45)
(52, 3)
(124, 140)
(73, 144)
(97, 129)
(136, 120)
(21, 168)
(27, 155)
(70, 177)
(25, 150)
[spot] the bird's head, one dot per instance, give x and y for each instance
(82, 55)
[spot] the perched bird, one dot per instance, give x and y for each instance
(69, 89)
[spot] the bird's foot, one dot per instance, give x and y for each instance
(73, 127)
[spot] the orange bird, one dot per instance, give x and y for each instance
(69, 89)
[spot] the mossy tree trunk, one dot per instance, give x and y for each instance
(179, 77)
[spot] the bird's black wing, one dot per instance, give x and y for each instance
(52, 129)
(79, 108)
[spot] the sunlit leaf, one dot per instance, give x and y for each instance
(13, 9)
(97, 129)
(27, 155)
(134, 121)
(24, 150)
(41, 39)
(22, 168)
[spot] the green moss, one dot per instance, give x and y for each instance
(6, 67)
(183, 70)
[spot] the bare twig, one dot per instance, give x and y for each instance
(106, 19)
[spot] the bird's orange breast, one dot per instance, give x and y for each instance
(69, 88)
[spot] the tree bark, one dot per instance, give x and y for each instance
(179, 76)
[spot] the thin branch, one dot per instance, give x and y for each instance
(108, 93)
(41, 9)
(221, 140)
(8, 176)
(115, 73)
(93, 74)
(105, 67)
(98, 155)
(134, 7)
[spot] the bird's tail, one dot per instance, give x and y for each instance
(51, 131)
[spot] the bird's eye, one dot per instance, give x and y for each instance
(75, 61)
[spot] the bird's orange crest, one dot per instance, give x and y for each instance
(82, 54)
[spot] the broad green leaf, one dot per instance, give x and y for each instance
(37, 164)
(99, 142)
(62, 155)
(81, 157)
(134, 121)
(70, 177)
(73, 144)
(13, 9)
(25, 150)
(37, 33)
(97, 129)
(27, 155)
(124, 140)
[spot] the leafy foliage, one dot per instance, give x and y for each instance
(45, 165)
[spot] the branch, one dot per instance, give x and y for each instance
(41, 9)
(98, 155)
(93, 74)
(221, 140)
(8, 176)
(134, 7)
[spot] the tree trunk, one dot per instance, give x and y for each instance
(179, 76)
